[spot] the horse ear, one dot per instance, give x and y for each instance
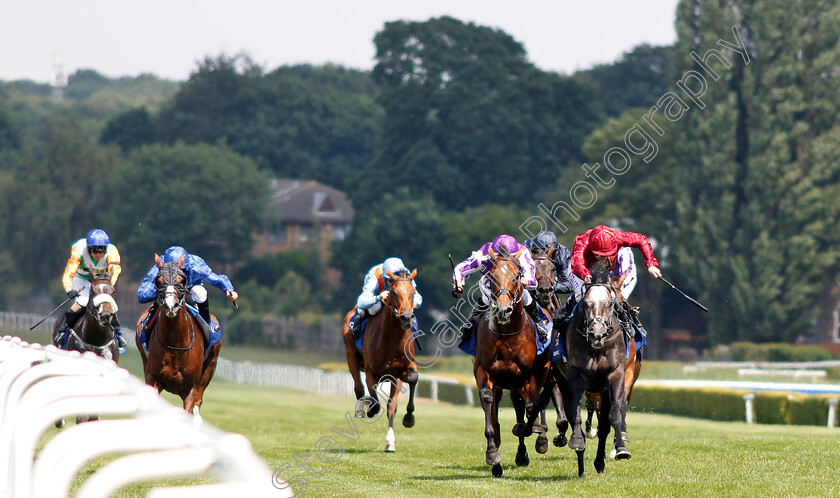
(413, 274)
(551, 252)
(158, 261)
(516, 256)
(491, 253)
(181, 261)
(391, 275)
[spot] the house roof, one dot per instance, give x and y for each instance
(307, 201)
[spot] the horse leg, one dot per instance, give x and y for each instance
(522, 458)
(557, 394)
(592, 402)
(578, 385)
(390, 439)
(411, 379)
(603, 432)
(497, 433)
(618, 408)
(541, 445)
(634, 366)
(373, 409)
(207, 372)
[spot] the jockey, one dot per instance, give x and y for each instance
(375, 292)
(567, 282)
(92, 254)
(197, 272)
(480, 261)
(613, 246)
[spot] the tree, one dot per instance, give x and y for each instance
(484, 119)
(205, 198)
(130, 130)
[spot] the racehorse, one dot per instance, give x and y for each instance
(506, 358)
(93, 331)
(388, 354)
(176, 360)
(596, 351)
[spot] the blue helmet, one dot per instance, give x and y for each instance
(174, 253)
(544, 241)
(97, 237)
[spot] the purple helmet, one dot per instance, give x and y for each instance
(504, 245)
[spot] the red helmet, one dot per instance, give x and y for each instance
(602, 241)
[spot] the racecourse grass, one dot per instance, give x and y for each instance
(443, 455)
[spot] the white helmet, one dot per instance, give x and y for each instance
(393, 265)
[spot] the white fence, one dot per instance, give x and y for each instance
(22, 321)
(150, 438)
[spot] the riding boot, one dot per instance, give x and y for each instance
(68, 322)
(204, 310)
(355, 324)
(534, 313)
(72, 317)
(468, 327)
(115, 322)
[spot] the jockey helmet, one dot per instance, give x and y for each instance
(174, 253)
(505, 245)
(543, 241)
(97, 237)
(602, 241)
(393, 265)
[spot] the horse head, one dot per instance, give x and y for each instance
(401, 297)
(505, 286)
(599, 304)
(102, 305)
(171, 286)
(546, 274)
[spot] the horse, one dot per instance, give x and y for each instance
(388, 354)
(596, 351)
(546, 275)
(506, 358)
(93, 331)
(176, 361)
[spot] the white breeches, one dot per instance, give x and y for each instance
(83, 286)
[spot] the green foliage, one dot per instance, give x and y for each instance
(466, 111)
(747, 351)
(244, 328)
(206, 199)
(295, 294)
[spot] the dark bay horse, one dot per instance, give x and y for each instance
(596, 363)
(506, 358)
(176, 361)
(93, 331)
(388, 354)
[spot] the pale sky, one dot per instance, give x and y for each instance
(167, 38)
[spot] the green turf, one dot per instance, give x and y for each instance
(443, 455)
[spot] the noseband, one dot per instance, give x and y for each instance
(517, 295)
(551, 279)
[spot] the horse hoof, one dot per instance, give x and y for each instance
(515, 430)
(577, 443)
(592, 433)
(373, 410)
(408, 420)
(59, 424)
(541, 446)
(560, 440)
(497, 470)
(624, 436)
(523, 459)
(390, 448)
(622, 453)
(494, 458)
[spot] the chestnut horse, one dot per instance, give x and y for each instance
(506, 358)
(596, 363)
(176, 361)
(388, 354)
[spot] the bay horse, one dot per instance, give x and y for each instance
(506, 358)
(176, 361)
(388, 354)
(596, 351)
(94, 330)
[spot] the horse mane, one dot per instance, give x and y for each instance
(601, 273)
(402, 273)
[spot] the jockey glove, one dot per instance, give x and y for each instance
(72, 293)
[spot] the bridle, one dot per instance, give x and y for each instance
(393, 308)
(177, 291)
(607, 320)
